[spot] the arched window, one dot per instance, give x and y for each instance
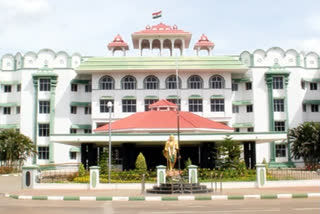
(106, 83)
(151, 82)
(128, 82)
(216, 82)
(171, 82)
(195, 82)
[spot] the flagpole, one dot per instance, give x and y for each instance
(178, 112)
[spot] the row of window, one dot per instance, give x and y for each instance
(74, 131)
(235, 109)
(195, 105)
(152, 82)
(43, 153)
(313, 86)
(74, 110)
(8, 111)
(314, 107)
(8, 88)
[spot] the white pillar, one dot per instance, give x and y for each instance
(172, 46)
(261, 175)
(94, 177)
(161, 47)
(193, 174)
(161, 175)
(29, 176)
(140, 48)
(124, 51)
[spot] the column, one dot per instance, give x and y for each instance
(269, 80)
(53, 85)
(35, 116)
(261, 175)
(29, 176)
(161, 175)
(286, 82)
(94, 177)
(193, 174)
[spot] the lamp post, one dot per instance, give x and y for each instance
(109, 104)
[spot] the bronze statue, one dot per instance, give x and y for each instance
(170, 152)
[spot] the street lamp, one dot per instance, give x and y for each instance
(109, 104)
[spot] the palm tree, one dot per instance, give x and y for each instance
(306, 143)
(15, 147)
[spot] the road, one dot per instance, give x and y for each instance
(13, 206)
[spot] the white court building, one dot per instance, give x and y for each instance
(59, 100)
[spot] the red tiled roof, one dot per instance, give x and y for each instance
(162, 103)
(203, 42)
(118, 42)
(159, 120)
(161, 29)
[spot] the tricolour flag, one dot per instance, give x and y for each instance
(157, 14)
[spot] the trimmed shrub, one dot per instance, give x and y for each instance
(103, 163)
(141, 164)
(81, 170)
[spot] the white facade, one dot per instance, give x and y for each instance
(19, 71)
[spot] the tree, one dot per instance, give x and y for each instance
(228, 154)
(103, 163)
(306, 143)
(15, 147)
(141, 164)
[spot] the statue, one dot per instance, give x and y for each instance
(170, 152)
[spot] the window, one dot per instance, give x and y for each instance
(314, 108)
(44, 107)
(128, 83)
(279, 126)
(216, 82)
(250, 129)
(129, 106)
(277, 82)
(281, 150)
(104, 106)
(7, 88)
(73, 109)
(175, 101)
(195, 105)
(171, 82)
(43, 153)
(151, 82)
(87, 110)
(106, 83)
(249, 108)
(313, 86)
(148, 102)
(235, 109)
(195, 82)
(248, 85)
(18, 110)
(18, 87)
(88, 87)
(278, 105)
(234, 86)
(7, 110)
(73, 131)
(303, 85)
(73, 156)
(237, 130)
(43, 130)
(217, 105)
(44, 85)
(74, 87)
(87, 131)
(304, 107)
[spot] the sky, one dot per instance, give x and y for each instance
(87, 26)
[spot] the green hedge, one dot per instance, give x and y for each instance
(135, 176)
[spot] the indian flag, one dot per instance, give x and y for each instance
(157, 14)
